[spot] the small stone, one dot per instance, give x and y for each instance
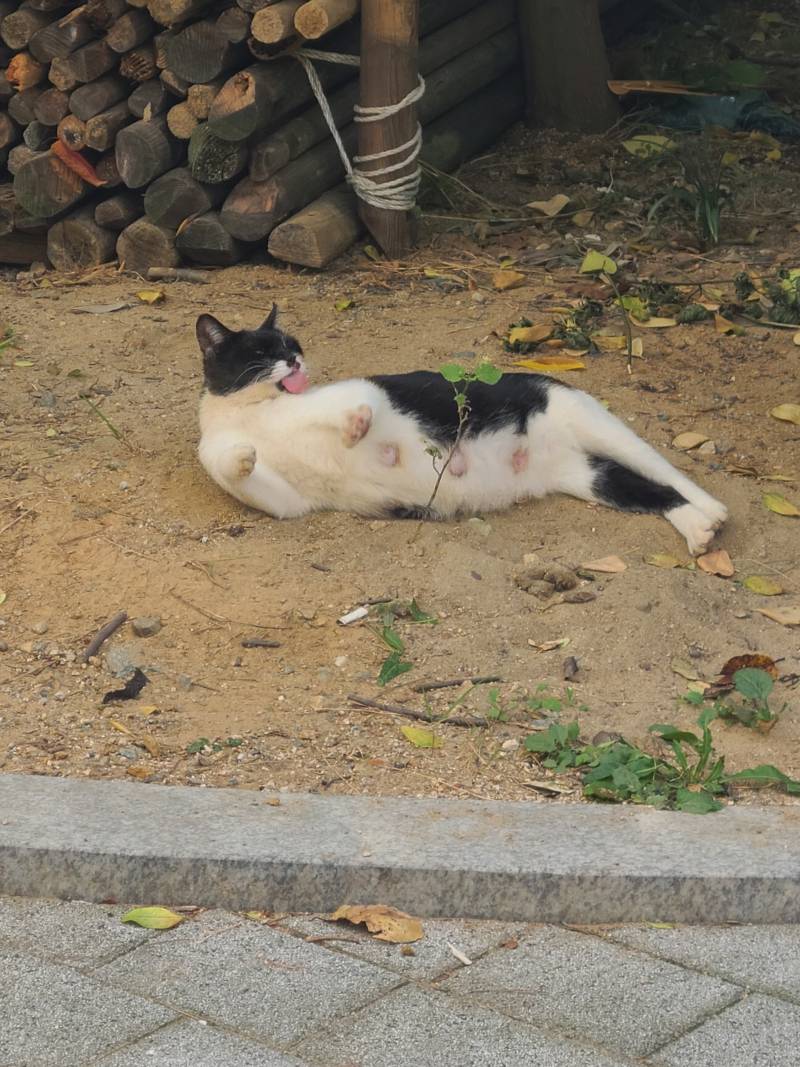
(129, 752)
(478, 297)
(184, 681)
(121, 660)
(123, 486)
(481, 526)
(340, 661)
(511, 745)
(146, 625)
(708, 448)
(464, 355)
(40, 627)
(760, 335)
(4, 646)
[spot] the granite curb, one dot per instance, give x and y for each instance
(526, 861)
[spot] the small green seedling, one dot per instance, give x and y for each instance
(753, 687)
(202, 743)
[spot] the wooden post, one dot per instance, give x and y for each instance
(566, 66)
(388, 73)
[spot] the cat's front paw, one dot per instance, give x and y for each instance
(238, 462)
(356, 425)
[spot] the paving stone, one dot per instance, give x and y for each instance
(53, 1016)
(432, 955)
(593, 990)
(766, 958)
(758, 1032)
(70, 932)
(418, 1028)
(195, 1044)
(237, 972)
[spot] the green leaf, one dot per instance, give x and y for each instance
(392, 668)
(636, 307)
(392, 639)
(672, 733)
(753, 683)
(416, 614)
(152, 918)
(647, 145)
(595, 261)
(488, 373)
(342, 305)
(198, 745)
(453, 372)
(624, 778)
(700, 803)
(765, 774)
(420, 737)
(741, 72)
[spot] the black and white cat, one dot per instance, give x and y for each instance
(364, 445)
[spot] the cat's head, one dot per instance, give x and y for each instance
(233, 359)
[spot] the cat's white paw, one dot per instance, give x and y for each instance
(696, 526)
(356, 425)
(238, 462)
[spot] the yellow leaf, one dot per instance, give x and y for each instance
(729, 158)
(51, 432)
(150, 744)
(119, 726)
(549, 646)
(647, 145)
(685, 442)
(637, 348)
(342, 305)
(773, 155)
(696, 686)
(656, 323)
(763, 586)
(23, 362)
(529, 335)
(151, 296)
(152, 918)
(3, 596)
(787, 412)
(609, 342)
(420, 737)
(550, 207)
(780, 505)
(796, 338)
(663, 560)
(148, 709)
(139, 771)
(371, 252)
(717, 562)
(582, 218)
(785, 616)
(551, 363)
(387, 924)
(723, 325)
(606, 565)
(596, 261)
(507, 279)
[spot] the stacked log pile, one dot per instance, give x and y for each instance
(170, 131)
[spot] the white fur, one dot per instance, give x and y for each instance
(292, 454)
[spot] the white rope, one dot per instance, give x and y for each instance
(396, 194)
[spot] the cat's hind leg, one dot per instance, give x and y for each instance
(356, 425)
(235, 462)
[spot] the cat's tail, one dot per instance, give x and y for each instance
(631, 475)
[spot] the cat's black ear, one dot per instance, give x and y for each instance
(271, 319)
(211, 335)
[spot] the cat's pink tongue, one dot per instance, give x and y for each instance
(295, 382)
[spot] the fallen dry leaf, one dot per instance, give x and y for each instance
(688, 440)
(637, 347)
(763, 586)
(606, 565)
(150, 744)
(551, 363)
(151, 296)
(550, 207)
(787, 413)
(685, 669)
(76, 163)
(785, 616)
(717, 562)
(656, 323)
(609, 342)
(529, 335)
(420, 737)
(387, 924)
(723, 325)
(582, 218)
(507, 279)
(152, 918)
(663, 560)
(548, 646)
(780, 505)
(139, 771)
(748, 659)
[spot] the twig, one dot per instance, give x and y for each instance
(626, 317)
(422, 716)
(103, 634)
(426, 687)
(221, 618)
(14, 522)
(101, 415)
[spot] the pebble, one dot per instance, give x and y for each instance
(4, 646)
(129, 752)
(708, 448)
(40, 627)
(146, 625)
(511, 745)
(121, 660)
(123, 486)
(481, 526)
(340, 661)
(184, 681)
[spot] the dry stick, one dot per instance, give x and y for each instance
(426, 687)
(423, 716)
(103, 634)
(626, 318)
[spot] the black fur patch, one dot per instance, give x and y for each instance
(623, 488)
(428, 397)
(413, 511)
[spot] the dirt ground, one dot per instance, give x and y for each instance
(101, 514)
